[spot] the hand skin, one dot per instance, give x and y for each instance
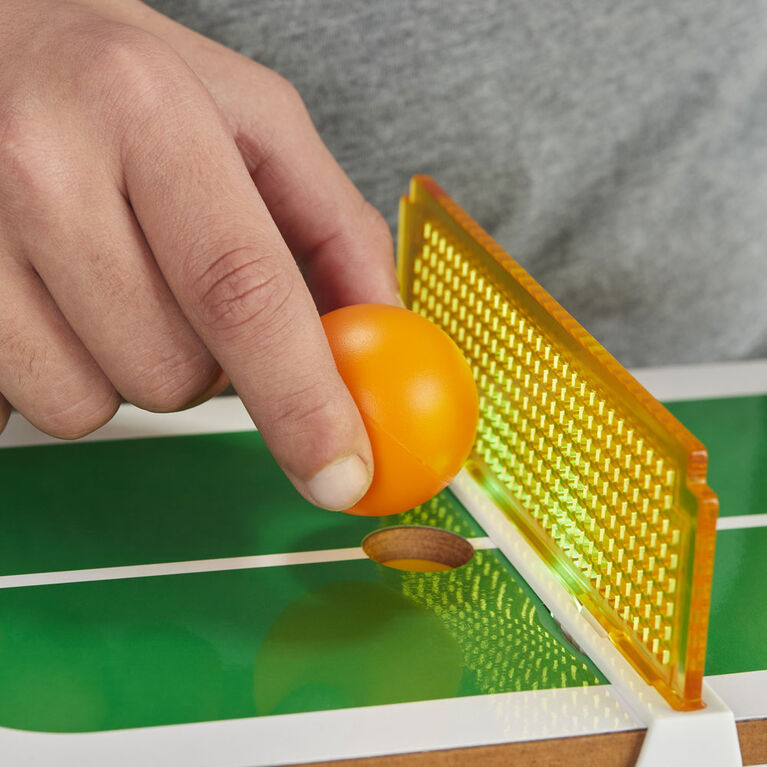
(169, 218)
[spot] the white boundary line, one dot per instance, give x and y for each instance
(339, 734)
(219, 415)
(745, 693)
(710, 381)
(196, 566)
(179, 568)
(185, 567)
(741, 521)
(358, 732)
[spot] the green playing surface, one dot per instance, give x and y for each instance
(735, 432)
(216, 645)
(181, 648)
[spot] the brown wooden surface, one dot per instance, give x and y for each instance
(617, 749)
(753, 741)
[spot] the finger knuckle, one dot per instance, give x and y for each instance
(78, 416)
(138, 74)
(264, 130)
(168, 385)
(261, 132)
(283, 94)
(30, 170)
(241, 288)
(375, 225)
(125, 51)
(308, 410)
(18, 147)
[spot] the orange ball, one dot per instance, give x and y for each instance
(417, 397)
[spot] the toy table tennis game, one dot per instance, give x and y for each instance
(167, 598)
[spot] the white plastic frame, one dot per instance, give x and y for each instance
(706, 738)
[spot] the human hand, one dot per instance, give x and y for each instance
(167, 212)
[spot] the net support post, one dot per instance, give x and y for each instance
(707, 737)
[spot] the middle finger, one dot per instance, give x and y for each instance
(93, 257)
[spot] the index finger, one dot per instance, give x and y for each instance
(238, 285)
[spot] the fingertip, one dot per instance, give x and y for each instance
(340, 484)
(315, 432)
(325, 452)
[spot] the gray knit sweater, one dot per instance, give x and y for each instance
(618, 150)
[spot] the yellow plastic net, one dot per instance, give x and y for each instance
(601, 479)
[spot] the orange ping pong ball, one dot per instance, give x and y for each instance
(417, 397)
